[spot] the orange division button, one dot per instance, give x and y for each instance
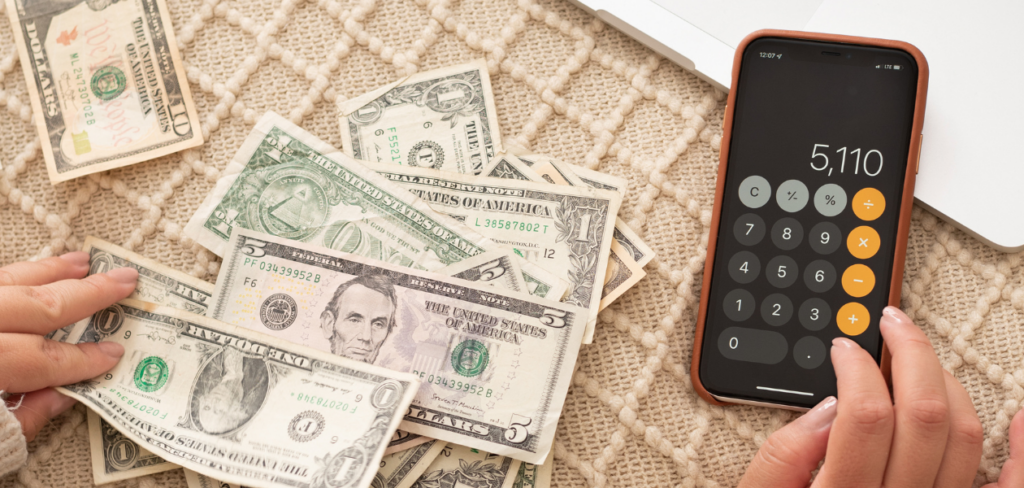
(868, 204)
(863, 242)
(853, 319)
(858, 280)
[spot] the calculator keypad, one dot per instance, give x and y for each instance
(815, 309)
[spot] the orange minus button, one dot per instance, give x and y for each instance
(853, 319)
(858, 280)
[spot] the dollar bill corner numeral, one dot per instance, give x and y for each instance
(306, 426)
(342, 469)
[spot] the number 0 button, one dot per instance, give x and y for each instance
(781, 271)
(744, 267)
(749, 229)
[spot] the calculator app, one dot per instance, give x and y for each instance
(807, 233)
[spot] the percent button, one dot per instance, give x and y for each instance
(830, 200)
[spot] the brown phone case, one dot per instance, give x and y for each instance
(906, 205)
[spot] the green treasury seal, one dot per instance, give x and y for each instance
(151, 374)
(108, 83)
(470, 358)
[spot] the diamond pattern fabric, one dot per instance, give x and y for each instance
(565, 84)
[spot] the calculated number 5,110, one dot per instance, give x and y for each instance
(871, 163)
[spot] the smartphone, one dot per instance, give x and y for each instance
(815, 186)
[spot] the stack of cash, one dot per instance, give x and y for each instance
(406, 311)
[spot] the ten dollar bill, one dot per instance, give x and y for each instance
(106, 83)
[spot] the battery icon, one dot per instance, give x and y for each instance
(897, 67)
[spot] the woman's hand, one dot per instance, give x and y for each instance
(36, 299)
(929, 437)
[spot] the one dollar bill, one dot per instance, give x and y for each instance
(495, 364)
(240, 406)
(442, 119)
(402, 469)
(628, 254)
(106, 83)
(567, 231)
(285, 182)
(114, 456)
(196, 480)
(461, 466)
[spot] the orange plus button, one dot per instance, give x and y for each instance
(858, 280)
(868, 204)
(853, 319)
(863, 242)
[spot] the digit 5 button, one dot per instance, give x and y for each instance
(863, 242)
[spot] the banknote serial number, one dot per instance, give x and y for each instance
(512, 225)
(327, 402)
(284, 271)
(455, 385)
(141, 407)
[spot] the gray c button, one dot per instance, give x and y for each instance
(755, 191)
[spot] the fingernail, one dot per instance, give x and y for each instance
(77, 258)
(822, 415)
(111, 349)
(125, 276)
(844, 342)
(893, 316)
(60, 405)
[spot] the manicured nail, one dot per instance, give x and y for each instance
(77, 258)
(844, 342)
(111, 349)
(892, 317)
(125, 276)
(60, 404)
(823, 415)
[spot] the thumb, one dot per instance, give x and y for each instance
(789, 455)
(1012, 474)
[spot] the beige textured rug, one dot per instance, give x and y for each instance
(565, 85)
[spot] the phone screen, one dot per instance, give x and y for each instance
(807, 233)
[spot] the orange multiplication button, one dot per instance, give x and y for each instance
(868, 204)
(858, 280)
(863, 242)
(853, 319)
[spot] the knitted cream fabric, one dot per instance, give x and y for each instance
(12, 443)
(565, 85)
